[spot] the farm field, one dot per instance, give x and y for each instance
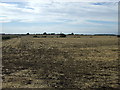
(84, 63)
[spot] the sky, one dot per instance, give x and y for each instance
(56, 16)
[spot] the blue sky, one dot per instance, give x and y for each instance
(54, 16)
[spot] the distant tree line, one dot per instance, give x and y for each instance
(53, 34)
(65, 35)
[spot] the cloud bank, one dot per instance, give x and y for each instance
(59, 16)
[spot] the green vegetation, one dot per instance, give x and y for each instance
(27, 34)
(62, 35)
(6, 37)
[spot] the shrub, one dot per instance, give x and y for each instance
(62, 35)
(118, 35)
(27, 34)
(44, 33)
(5, 37)
(71, 34)
(35, 36)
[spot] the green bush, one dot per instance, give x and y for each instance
(35, 36)
(6, 37)
(27, 34)
(62, 35)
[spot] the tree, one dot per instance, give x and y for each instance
(44, 33)
(72, 33)
(27, 34)
(62, 35)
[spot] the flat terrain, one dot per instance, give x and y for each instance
(85, 62)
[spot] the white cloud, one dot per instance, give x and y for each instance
(54, 11)
(35, 11)
(42, 1)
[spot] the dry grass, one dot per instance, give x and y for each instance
(61, 62)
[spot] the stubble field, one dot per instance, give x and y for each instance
(84, 63)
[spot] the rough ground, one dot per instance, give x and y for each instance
(82, 63)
